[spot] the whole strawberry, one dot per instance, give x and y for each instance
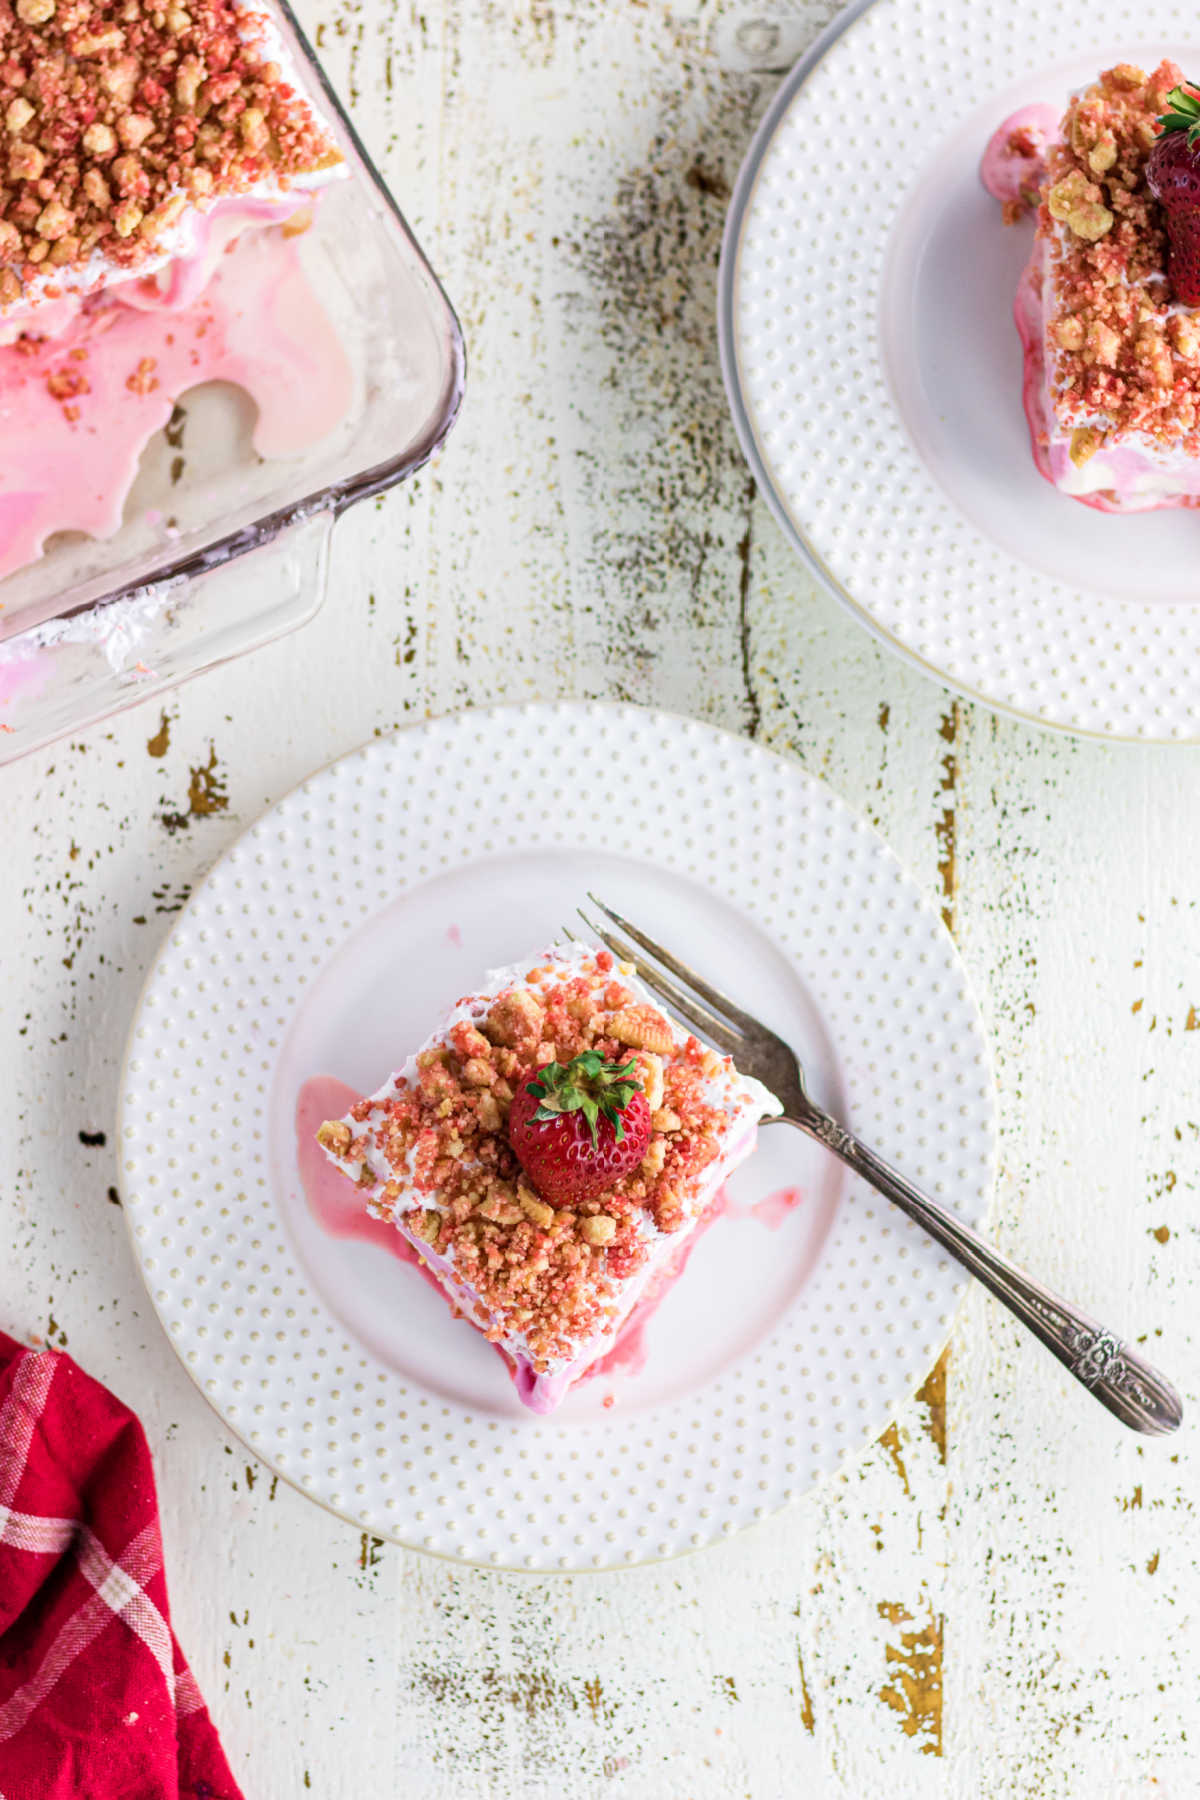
(1173, 177)
(578, 1128)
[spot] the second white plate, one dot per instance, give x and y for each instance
(874, 370)
(330, 939)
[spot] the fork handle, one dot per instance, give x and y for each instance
(1117, 1375)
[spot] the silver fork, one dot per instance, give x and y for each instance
(1115, 1373)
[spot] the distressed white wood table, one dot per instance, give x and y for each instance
(1001, 1598)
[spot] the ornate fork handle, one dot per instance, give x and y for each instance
(1117, 1375)
(1138, 1395)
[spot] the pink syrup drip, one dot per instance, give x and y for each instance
(772, 1210)
(628, 1354)
(454, 936)
(241, 312)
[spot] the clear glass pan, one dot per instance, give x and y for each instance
(230, 551)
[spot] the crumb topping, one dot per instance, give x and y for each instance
(115, 116)
(551, 1274)
(1127, 359)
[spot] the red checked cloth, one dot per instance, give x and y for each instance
(96, 1701)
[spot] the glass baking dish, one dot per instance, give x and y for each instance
(220, 551)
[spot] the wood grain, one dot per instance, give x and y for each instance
(999, 1599)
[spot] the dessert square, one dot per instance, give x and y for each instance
(125, 124)
(551, 1273)
(1112, 356)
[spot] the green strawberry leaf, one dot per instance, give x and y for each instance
(1183, 113)
(587, 1085)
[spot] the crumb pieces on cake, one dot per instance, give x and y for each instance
(1124, 358)
(549, 1274)
(1023, 145)
(115, 116)
(143, 379)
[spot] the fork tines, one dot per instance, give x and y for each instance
(704, 1010)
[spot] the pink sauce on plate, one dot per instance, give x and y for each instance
(333, 1200)
(772, 1210)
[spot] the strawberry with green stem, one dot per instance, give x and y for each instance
(1173, 177)
(578, 1128)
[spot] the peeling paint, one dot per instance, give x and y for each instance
(890, 1441)
(157, 745)
(807, 1716)
(370, 1551)
(753, 705)
(207, 794)
(206, 788)
(946, 827)
(914, 1691)
(526, 1692)
(932, 1396)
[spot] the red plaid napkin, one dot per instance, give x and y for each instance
(96, 1701)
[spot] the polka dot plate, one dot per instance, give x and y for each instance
(329, 940)
(875, 372)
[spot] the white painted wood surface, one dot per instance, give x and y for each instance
(1016, 1619)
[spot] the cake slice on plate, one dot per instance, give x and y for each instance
(1111, 340)
(548, 1152)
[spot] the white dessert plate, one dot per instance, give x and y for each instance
(875, 372)
(331, 939)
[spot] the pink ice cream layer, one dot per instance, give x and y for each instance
(78, 408)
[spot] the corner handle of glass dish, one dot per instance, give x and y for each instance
(67, 673)
(1111, 1370)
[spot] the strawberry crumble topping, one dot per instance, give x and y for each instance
(117, 116)
(143, 380)
(544, 1277)
(1126, 360)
